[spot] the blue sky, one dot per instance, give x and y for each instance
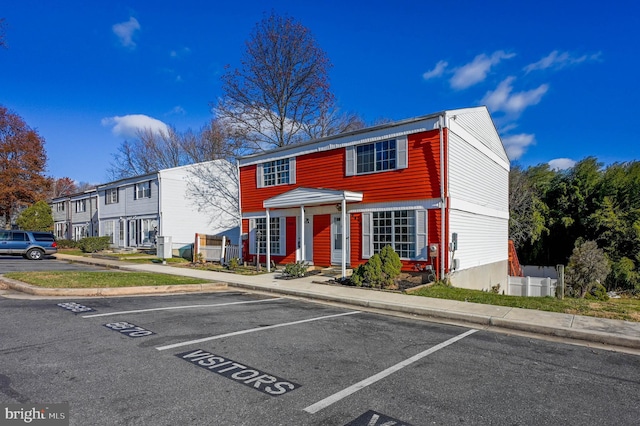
(559, 77)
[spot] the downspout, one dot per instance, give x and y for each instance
(268, 242)
(159, 204)
(240, 251)
(343, 210)
(443, 198)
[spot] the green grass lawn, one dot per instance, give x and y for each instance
(99, 279)
(622, 309)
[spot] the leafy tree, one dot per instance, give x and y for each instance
(280, 95)
(588, 267)
(22, 164)
(37, 217)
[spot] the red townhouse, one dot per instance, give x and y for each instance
(434, 187)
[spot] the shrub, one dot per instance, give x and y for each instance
(380, 271)
(234, 262)
(391, 265)
(297, 269)
(67, 244)
(94, 244)
(588, 266)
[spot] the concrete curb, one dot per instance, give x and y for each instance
(463, 317)
(118, 291)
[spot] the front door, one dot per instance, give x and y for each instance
(308, 240)
(336, 239)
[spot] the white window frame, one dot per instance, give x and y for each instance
(142, 190)
(81, 206)
(108, 229)
(60, 206)
(401, 156)
(278, 172)
(279, 237)
(420, 238)
(111, 196)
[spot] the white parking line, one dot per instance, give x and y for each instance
(251, 330)
(180, 307)
(314, 408)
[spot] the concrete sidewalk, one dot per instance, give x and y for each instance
(583, 328)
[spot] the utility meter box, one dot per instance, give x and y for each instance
(164, 247)
(433, 250)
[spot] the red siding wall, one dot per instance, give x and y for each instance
(327, 170)
(322, 240)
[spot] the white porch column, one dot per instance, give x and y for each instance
(302, 246)
(268, 243)
(343, 210)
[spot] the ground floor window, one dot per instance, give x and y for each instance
(108, 230)
(258, 234)
(397, 229)
(404, 230)
(61, 230)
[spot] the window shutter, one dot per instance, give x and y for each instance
(402, 160)
(252, 236)
(351, 161)
(292, 170)
(259, 179)
(421, 234)
(367, 245)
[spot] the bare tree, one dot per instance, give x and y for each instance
(281, 89)
(63, 186)
(331, 122)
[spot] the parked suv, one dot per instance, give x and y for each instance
(29, 244)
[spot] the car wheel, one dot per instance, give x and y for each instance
(35, 254)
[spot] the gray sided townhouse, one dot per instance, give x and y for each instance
(75, 216)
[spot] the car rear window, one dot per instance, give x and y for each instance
(42, 236)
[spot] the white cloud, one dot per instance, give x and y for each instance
(179, 53)
(177, 110)
(516, 145)
(126, 30)
(437, 71)
(128, 126)
(558, 60)
(502, 99)
(476, 71)
(561, 163)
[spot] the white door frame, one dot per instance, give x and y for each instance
(336, 254)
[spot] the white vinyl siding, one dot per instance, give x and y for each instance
(375, 157)
(476, 178)
(482, 239)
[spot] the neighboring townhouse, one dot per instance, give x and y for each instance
(135, 211)
(75, 216)
(435, 188)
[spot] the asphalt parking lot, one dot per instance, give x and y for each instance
(48, 263)
(240, 359)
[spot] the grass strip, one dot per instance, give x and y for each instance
(99, 279)
(622, 309)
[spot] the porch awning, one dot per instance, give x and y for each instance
(310, 196)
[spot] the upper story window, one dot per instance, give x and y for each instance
(142, 190)
(277, 172)
(81, 206)
(111, 196)
(60, 206)
(390, 154)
